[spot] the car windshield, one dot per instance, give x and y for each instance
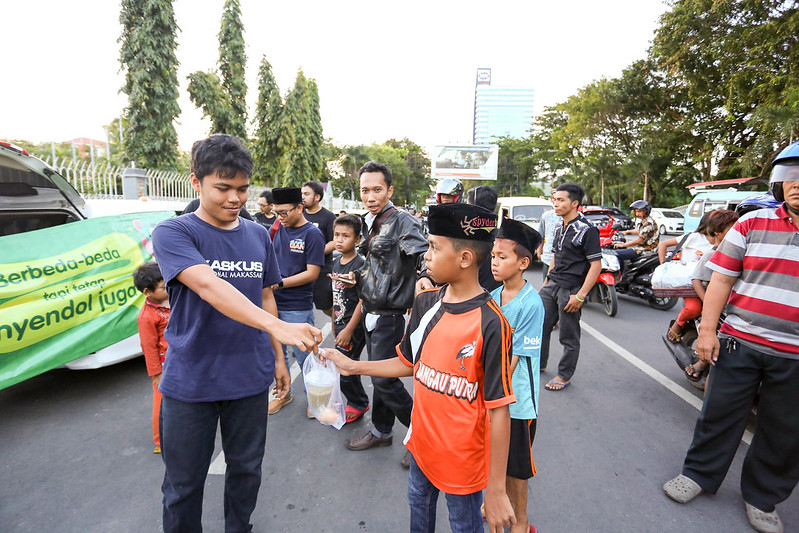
(529, 212)
(598, 219)
(671, 214)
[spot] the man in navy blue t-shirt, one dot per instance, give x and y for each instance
(300, 251)
(223, 336)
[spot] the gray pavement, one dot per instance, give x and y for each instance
(76, 454)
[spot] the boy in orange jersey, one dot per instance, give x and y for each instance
(457, 347)
(152, 321)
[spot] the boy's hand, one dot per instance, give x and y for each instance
(343, 338)
(157, 379)
(344, 364)
(303, 336)
(282, 381)
(499, 511)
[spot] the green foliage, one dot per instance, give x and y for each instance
(410, 168)
(265, 149)
(301, 143)
(232, 61)
(223, 100)
(147, 53)
(716, 98)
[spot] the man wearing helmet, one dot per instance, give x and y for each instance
(449, 191)
(647, 232)
(755, 276)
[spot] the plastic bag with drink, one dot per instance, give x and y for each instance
(323, 390)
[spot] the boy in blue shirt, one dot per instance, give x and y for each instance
(300, 253)
(522, 306)
(223, 334)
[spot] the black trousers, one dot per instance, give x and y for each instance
(771, 466)
(390, 399)
(351, 386)
(555, 299)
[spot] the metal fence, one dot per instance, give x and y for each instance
(104, 181)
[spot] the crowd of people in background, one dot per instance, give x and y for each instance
(238, 293)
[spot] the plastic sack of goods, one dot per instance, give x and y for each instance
(323, 390)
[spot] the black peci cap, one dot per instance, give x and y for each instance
(462, 221)
(287, 195)
(520, 233)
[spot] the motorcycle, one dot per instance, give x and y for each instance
(683, 351)
(635, 278)
(604, 290)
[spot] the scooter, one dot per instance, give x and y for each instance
(604, 290)
(635, 278)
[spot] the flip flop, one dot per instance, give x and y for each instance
(353, 411)
(549, 386)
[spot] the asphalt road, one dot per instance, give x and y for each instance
(76, 453)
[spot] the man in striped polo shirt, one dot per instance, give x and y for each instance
(756, 275)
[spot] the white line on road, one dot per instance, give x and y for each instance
(654, 374)
(218, 465)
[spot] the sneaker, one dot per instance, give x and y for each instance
(277, 404)
(368, 441)
(763, 521)
(157, 449)
(682, 489)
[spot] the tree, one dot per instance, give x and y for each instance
(301, 143)
(222, 100)
(265, 150)
(232, 60)
(147, 54)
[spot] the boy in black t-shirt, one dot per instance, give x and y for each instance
(347, 313)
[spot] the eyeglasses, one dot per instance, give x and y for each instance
(281, 214)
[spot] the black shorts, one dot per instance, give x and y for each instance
(323, 291)
(520, 454)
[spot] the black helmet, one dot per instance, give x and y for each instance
(642, 204)
(450, 186)
(758, 201)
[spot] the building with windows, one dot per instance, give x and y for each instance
(500, 111)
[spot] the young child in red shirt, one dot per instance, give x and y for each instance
(152, 322)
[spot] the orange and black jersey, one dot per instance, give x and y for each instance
(460, 354)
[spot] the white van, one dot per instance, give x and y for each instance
(527, 209)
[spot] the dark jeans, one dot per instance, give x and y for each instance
(625, 254)
(771, 466)
(555, 299)
(351, 386)
(390, 399)
(464, 509)
(188, 431)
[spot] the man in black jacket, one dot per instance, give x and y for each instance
(393, 245)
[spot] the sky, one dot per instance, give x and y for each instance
(384, 69)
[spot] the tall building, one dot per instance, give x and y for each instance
(500, 111)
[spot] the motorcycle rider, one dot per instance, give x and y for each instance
(449, 191)
(647, 232)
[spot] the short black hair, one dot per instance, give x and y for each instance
(484, 196)
(575, 192)
(374, 166)
(351, 221)
(147, 276)
(221, 154)
(521, 252)
(481, 249)
(268, 195)
(316, 187)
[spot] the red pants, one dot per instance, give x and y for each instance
(692, 308)
(156, 412)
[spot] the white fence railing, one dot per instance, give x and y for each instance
(104, 181)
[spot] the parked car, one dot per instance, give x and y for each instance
(623, 218)
(527, 209)
(668, 220)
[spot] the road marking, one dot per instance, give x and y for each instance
(653, 373)
(218, 465)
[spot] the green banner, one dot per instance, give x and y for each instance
(68, 291)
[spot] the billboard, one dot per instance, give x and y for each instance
(473, 162)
